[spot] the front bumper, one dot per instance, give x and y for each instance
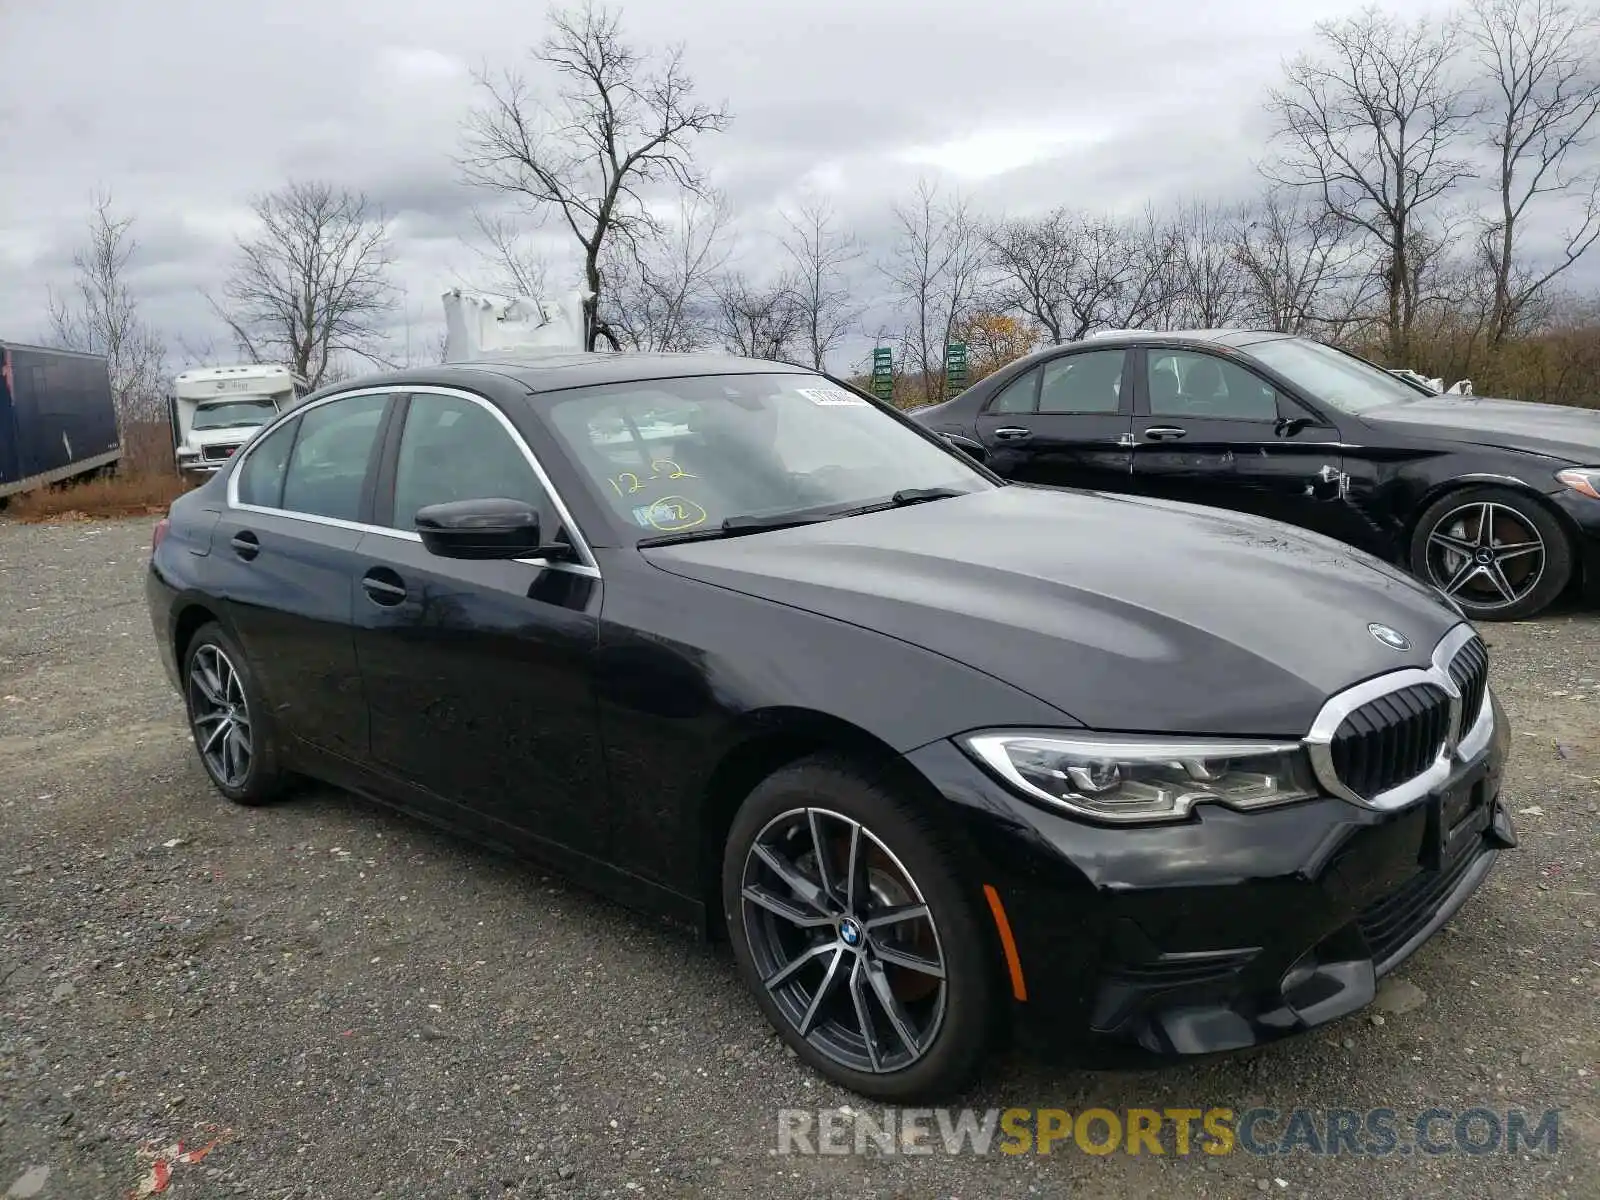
(1228, 930)
(1583, 515)
(201, 466)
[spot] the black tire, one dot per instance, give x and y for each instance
(1498, 553)
(217, 680)
(903, 857)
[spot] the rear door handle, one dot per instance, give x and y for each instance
(1012, 433)
(245, 544)
(1165, 433)
(384, 587)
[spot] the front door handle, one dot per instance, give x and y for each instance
(245, 544)
(1165, 433)
(1012, 433)
(384, 587)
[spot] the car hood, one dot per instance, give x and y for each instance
(1551, 429)
(1124, 613)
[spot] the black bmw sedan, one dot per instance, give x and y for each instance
(1496, 502)
(943, 757)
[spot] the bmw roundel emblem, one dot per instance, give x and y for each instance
(849, 932)
(1392, 638)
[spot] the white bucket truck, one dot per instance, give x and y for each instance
(479, 325)
(215, 410)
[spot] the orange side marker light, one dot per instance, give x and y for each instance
(1002, 924)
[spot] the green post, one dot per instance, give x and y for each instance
(955, 368)
(883, 374)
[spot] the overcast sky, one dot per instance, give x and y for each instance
(186, 108)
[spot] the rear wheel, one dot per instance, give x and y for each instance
(1499, 554)
(851, 926)
(237, 744)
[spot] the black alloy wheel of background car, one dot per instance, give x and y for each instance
(1495, 552)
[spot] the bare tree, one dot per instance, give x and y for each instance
(613, 128)
(101, 316)
(1295, 259)
(1208, 280)
(757, 320)
(819, 254)
(1542, 59)
(1373, 125)
(311, 285)
(934, 269)
(1038, 262)
(1073, 273)
(660, 287)
(515, 266)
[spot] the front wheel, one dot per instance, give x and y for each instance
(852, 926)
(1499, 554)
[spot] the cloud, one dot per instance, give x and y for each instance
(186, 109)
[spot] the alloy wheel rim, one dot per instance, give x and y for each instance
(843, 940)
(1486, 554)
(220, 716)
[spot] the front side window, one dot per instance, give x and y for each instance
(674, 455)
(1088, 382)
(454, 449)
(1186, 384)
(328, 465)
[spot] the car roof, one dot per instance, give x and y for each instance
(1220, 337)
(1115, 339)
(562, 369)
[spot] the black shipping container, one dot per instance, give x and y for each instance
(57, 416)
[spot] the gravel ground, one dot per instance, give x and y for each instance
(353, 1004)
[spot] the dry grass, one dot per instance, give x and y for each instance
(144, 485)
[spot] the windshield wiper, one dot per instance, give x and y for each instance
(762, 522)
(746, 523)
(918, 495)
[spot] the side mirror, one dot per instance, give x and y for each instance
(973, 450)
(480, 529)
(1289, 426)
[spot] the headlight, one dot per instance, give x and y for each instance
(1582, 479)
(1117, 778)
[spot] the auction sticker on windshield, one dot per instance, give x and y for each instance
(831, 395)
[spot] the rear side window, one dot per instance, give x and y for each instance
(1019, 395)
(261, 476)
(1088, 382)
(328, 465)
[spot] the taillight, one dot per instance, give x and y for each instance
(160, 533)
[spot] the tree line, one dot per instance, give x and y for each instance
(1426, 190)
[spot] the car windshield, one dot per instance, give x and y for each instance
(1332, 376)
(233, 413)
(683, 456)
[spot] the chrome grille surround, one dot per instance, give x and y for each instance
(1460, 746)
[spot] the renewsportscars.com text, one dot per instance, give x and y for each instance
(1375, 1132)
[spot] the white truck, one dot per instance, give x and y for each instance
(215, 410)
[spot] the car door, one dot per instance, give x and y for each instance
(1064, 422)
(1209, 430)
(284, 551)
(478, 674)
